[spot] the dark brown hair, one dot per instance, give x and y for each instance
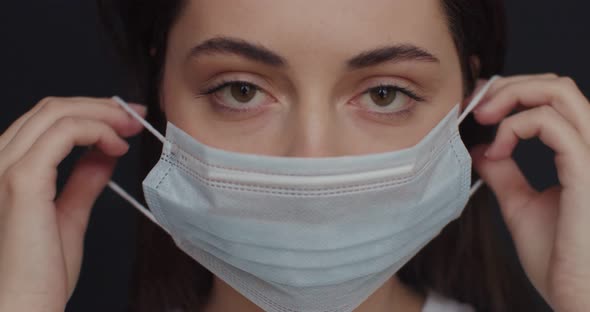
(466, 262)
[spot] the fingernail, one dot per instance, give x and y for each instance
(122, 152)
(140, 109)
(489, 152)
(125, 148)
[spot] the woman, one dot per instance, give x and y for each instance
(326, 87)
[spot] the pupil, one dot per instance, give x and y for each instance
(243, 92)
(383, 96)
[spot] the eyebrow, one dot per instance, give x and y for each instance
(259, 53)
(394, 53)
(251, 51)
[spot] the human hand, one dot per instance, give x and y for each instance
(42, 234)
(550, 228)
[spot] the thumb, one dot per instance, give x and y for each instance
(506, 181)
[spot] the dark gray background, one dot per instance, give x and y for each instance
(55, 48)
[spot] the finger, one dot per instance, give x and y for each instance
(104, 110)
(552, 129)
(562, 94)
(58, 141)
(504, 81)
(500, 83)
(75, 203)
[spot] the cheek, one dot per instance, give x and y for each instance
(175, 103)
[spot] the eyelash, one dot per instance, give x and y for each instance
(403, 90)
(228, 83)
(223, 84)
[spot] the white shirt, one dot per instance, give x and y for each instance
(437, 303)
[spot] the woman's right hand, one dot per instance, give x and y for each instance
(42, 234)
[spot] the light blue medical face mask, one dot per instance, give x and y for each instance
(307, 234)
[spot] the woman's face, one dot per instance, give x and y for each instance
(310, 78)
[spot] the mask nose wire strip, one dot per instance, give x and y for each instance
(119, 190)
(474, 102)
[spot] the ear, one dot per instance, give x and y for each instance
(161, 101)
(475, 66)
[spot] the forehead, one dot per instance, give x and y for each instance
(308, 27)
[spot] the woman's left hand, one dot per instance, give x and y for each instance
(551, 229)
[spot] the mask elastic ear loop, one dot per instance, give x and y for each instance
(135, 115)
(119, 190)
(477, 99)
(472, 105)
(476, 186)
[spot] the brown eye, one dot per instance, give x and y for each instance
(243, 92)
(383, 96)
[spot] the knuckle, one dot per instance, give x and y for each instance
(53, 104)
(568, 82)
(507, 124)
(66, 124)
(110, 102)
(14, 179)
(545, 112)
(79, 99)
(46, 100)
(551, 75)
(511, 90)
(91, 101)
(101, 129)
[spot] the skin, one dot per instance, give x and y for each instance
(313, 113)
